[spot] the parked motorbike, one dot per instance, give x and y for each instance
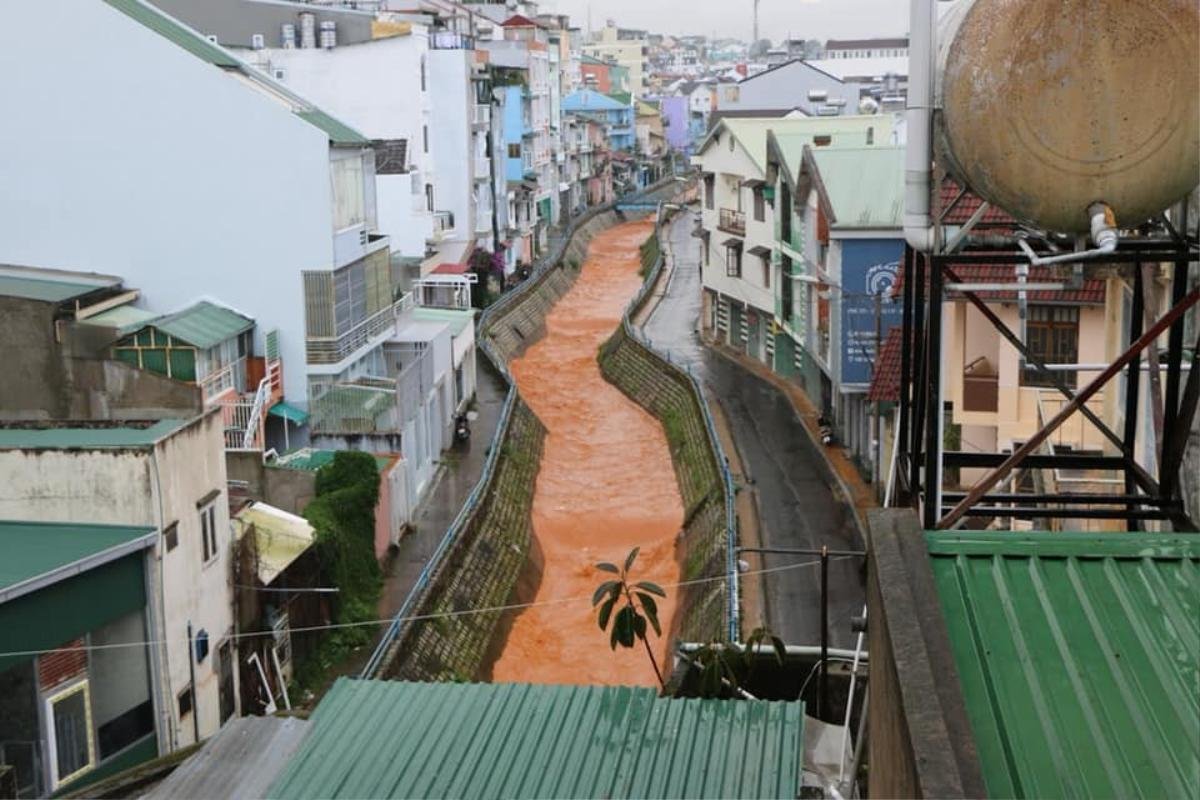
(826, 426)
(462, 428)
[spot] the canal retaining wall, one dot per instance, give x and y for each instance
(708, 602)
(446, 627)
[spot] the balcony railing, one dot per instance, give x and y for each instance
(732, 221)
(333, 349)
(230, 376)
(451, 40)
(481, 114)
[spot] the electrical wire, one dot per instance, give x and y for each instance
(390, 620)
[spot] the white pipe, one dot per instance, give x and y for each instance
(858, 648)
(918, 155)
(1104, 236)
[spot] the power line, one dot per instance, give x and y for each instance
(389, 620)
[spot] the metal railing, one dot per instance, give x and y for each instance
(230, 376)
(332, 349)
(732, 221)
(481, 114)
(718, 452)
(443, 221)
(451, 40)
(381, 657)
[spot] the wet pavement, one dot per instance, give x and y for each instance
(797, 508)
(605, 483)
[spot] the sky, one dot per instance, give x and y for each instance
(802, 19)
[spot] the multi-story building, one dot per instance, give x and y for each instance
(298, 251)
(626, 48)
(167, 479)
(866, 48)
(617, 116)
(790, 86)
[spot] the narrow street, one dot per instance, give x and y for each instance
(796, 506)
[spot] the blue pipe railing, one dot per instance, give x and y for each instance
(731, 565)
(470, 507)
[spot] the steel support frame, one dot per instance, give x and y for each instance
(921, 458)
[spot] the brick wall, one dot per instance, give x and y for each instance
(62, 665)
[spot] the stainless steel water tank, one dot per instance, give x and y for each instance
(1050, 105)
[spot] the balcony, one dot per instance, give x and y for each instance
(483, 168)
(732, 221)
(451, 40)
(443, 222)
(481, 115)
(232, 376)
(334, 349)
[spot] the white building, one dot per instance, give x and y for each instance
(168, 476)
(896, 47)
(234, 188)
(738, 225)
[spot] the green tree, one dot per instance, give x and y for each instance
(635, 606)
(724, 669)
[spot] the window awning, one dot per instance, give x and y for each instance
(760, 251)
(753, 183)
(289, 413)
(733, 241)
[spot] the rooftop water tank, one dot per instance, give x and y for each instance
(1050, 105)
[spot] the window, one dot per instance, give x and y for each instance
(425, 137)
(733, 261)
(171, 536)
(185, 702)
(123, 710)
(422, 73)
(348, 192)
(760, 205)
(871, 135)
(710, 184)
(208, 531)
(514, 150)
(766, 271)
(71, 746)
(1052, 334)
(429, 197)
(823, 140)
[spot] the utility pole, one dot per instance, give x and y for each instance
(754, 41)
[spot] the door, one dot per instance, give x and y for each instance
(225, 689)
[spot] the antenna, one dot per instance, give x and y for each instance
(755, 40)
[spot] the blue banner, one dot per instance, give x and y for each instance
(869, 270)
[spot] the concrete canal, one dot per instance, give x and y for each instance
(606, 483)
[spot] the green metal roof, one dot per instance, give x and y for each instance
(50, 291)
(751, 132)
(289, 412)
(1079, 659)
(195, 43)
(99, 436)
(865, 185)
(458, 320)
(310, 460)
(339, 132)
(126, 318)
(393, 739)
(204, 324)
(37, 554)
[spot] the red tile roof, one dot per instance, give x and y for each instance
(450, 269)
(885, 383)
(1091, 293)
(519, 21)
(967, 206)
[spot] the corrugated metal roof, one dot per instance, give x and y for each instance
(310, 460)
(280, 537)
(36, 550)
(204, 324)
(121, 435)
(457, 319)
(50, 291)
(339, 132)
(865, 185)
(885, 376)
(1079, 659)
(126, 318)
(393, 739)
(238, 763)
(751, 133)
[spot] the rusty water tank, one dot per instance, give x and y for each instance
(1050, 105)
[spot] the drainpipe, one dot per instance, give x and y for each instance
(1104, 237)
(918, 155)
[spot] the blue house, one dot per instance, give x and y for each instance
(602, 108)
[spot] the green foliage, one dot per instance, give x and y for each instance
(723, 669)
(343, 517)
(633, 616)
(649, 250)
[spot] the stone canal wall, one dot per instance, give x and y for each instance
(708, 610)
(487, 549)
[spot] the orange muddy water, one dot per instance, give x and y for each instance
(606, 484)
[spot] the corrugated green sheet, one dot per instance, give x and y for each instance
(31, 549)
(432, 740)
(1079, 657)
(48, 291)
(102, 435)
(204, 324)
(865, 185)
(339, 132)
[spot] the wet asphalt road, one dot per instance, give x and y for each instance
(797, 507)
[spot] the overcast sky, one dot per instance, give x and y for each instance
(805, 19)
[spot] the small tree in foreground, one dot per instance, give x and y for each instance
(635, 606)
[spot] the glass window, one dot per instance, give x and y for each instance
(208, 531)
(20, 729)
(71, 748)
(1052, 334)
(733, 262)
(348, 192)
